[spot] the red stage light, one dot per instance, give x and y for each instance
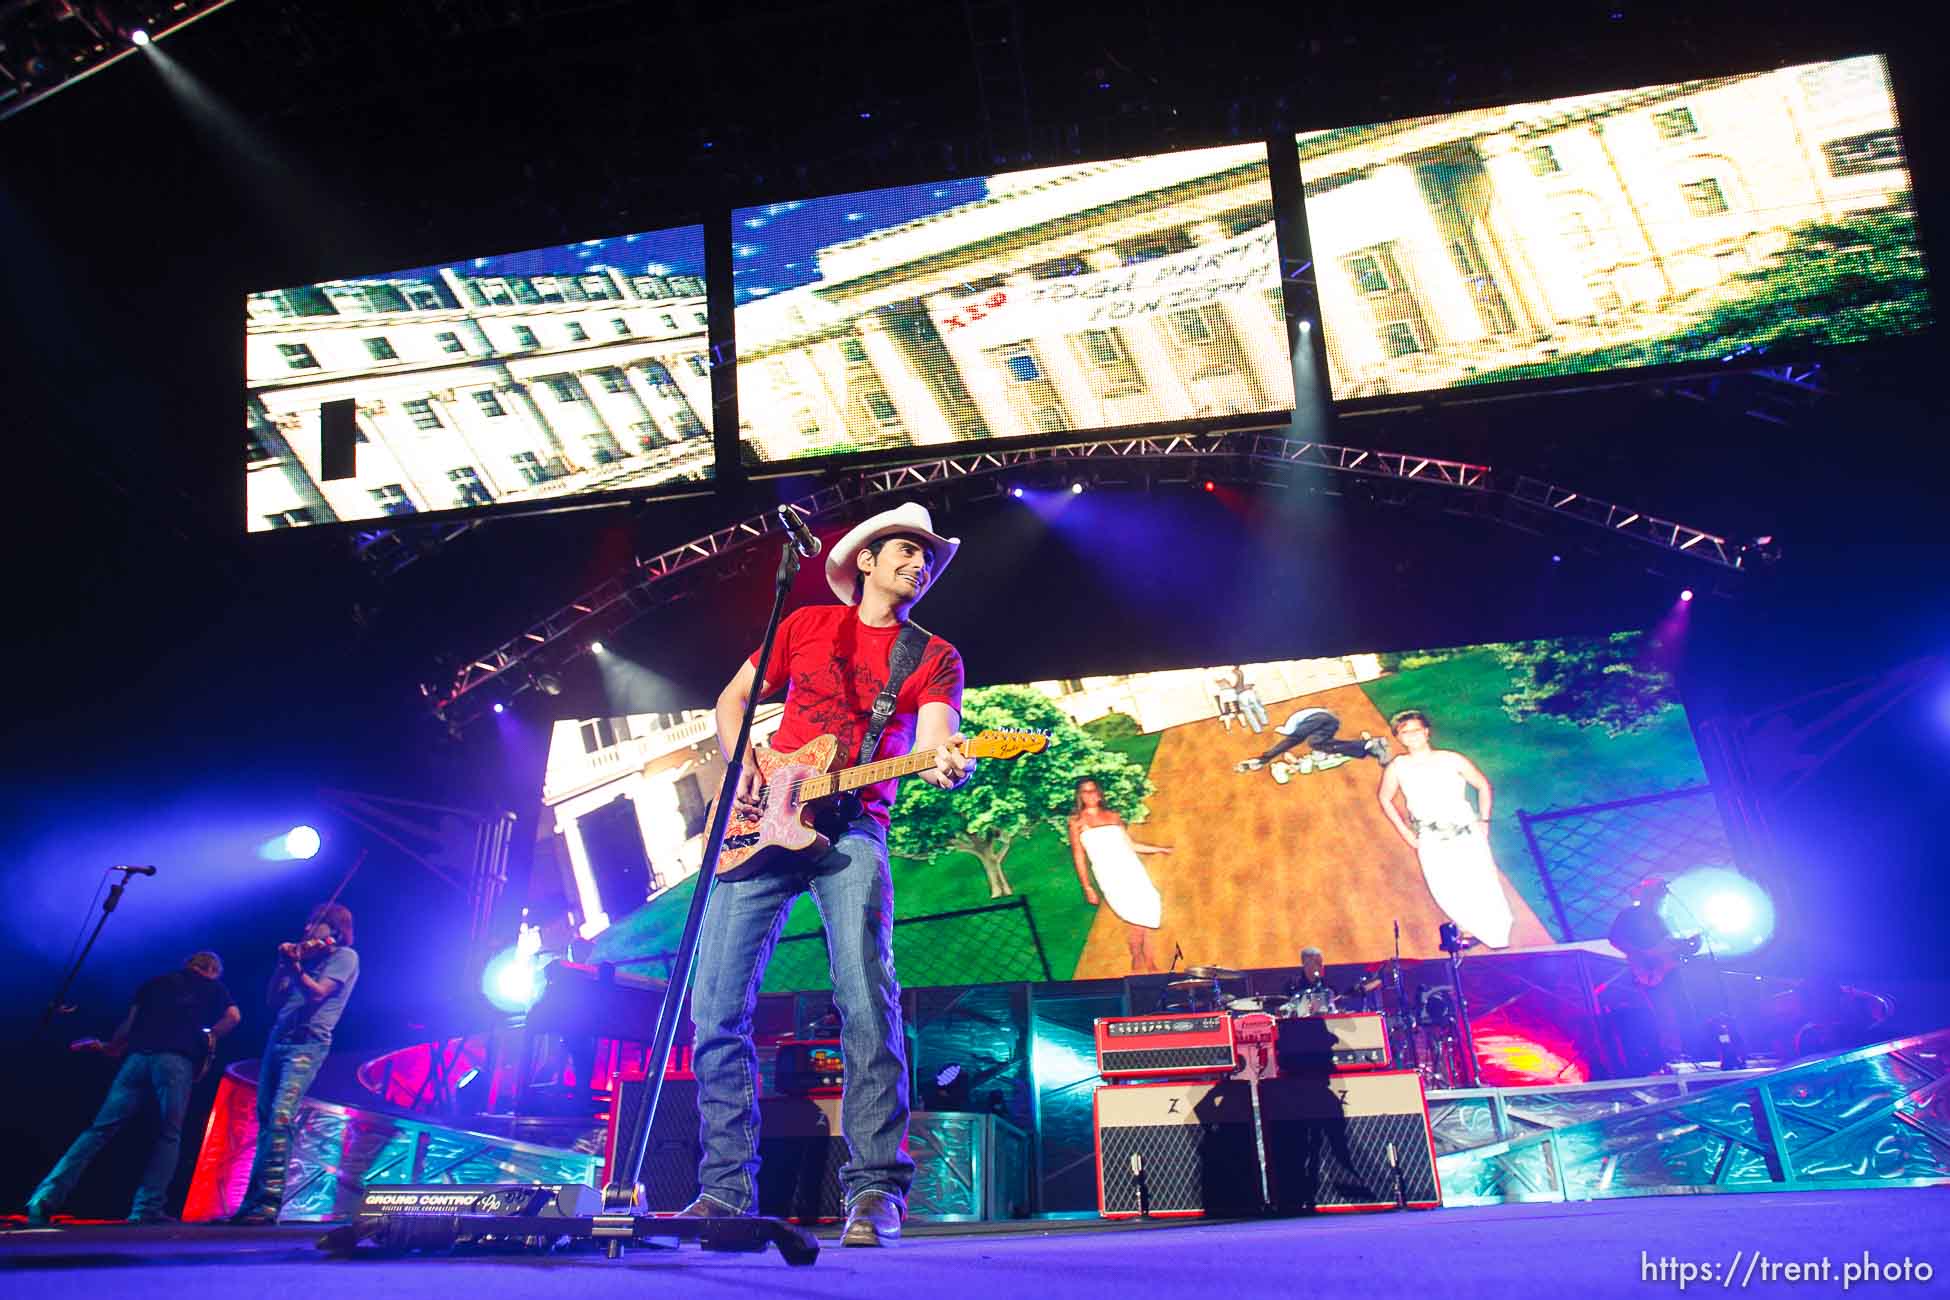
(1210, 486)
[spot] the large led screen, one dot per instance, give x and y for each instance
(532, 377)
(1084, 297)
(1688, 222)
(1238, 812)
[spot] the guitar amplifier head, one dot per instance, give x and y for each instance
(809, 1068)
(1348, 1041)
(1193, 1044)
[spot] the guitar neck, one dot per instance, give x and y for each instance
(852, 778)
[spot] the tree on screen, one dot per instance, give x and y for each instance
(1601, 681)
(1005, 801)
(1836, 281)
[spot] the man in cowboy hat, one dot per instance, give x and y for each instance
(832, 660)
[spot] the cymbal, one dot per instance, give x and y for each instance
(1214, 973)
(1203, 985)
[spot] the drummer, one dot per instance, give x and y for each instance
(1310, 995)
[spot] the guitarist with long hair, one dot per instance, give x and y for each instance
(834, 662)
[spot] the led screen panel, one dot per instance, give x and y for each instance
(533, 377)
(1250, 816)
(1092, 296)
(1679, 223)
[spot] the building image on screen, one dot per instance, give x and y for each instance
(531, 377)
(1233, 813)
(1676, 223)
(1093, 296)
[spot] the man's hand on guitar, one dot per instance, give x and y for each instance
(751, 784)
(951, 767)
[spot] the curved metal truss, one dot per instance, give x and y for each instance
(622, 597)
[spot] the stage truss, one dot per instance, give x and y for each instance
(519, 662)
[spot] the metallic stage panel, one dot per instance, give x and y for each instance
(336, 1151)
(1874, 1117)
(969, 1167)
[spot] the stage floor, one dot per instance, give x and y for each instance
(1502, 1251)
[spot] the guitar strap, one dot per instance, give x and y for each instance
(906, 657)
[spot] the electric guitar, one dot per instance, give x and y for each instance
(800, 796)
(1651, 966)
(96, 1047)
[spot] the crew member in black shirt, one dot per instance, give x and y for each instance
(168, 1037)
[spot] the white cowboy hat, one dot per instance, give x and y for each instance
(912, 517)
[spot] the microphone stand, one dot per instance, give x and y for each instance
(621, 1195)
(57, 1004)
(1726, 1032)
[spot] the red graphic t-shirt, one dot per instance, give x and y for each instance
(833, 667)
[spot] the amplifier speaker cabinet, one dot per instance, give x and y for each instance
(801, 1148)
(1333, 1142)
(968, 1167)
(1175, 1150)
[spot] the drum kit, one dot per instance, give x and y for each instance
(1423, 1029)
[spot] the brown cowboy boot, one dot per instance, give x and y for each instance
(873, 1219)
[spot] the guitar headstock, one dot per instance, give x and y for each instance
(1007, 744)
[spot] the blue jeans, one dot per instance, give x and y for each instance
(282, 1081)
(855, 895)
(165, 1075)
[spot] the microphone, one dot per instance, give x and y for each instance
(135, 871)
(803, 540)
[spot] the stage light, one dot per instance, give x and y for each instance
(512, 980)
(138, 38)
(499, 707)
(1732, 914)
(1076, 489)
(1210, 486)
(1557, 559)
(549, 684)
(1016, 492)
(1305, 325)
(301, 842)
(1686, 594)
(595, 647)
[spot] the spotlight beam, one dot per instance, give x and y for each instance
(110, 60)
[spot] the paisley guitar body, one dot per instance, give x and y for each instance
(754, 845)
(789, 823)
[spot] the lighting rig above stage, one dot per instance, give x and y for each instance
(532, 659)
(49, 45)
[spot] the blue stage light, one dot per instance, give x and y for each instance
(1076, 489)
(499, 707)
(301, 842)
(1730, 912)
(512, 980)
(1686, 594)
(1015, 492)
